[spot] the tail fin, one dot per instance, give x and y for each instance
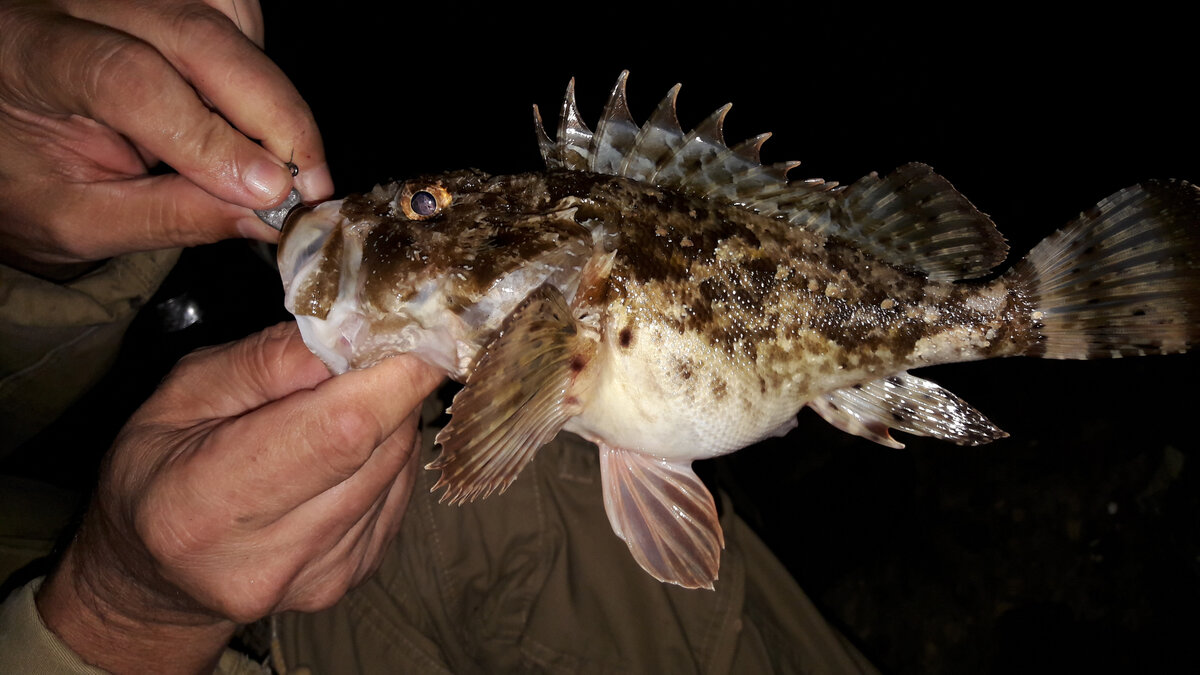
(1121, 280)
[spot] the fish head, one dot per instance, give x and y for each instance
(430, 266)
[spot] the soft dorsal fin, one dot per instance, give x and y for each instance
(912, 217)
(915, 217)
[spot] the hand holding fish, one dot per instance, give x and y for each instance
(251, 482)
(95, 94)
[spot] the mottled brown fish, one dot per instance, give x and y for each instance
(671, 298)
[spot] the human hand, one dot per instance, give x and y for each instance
(93, 93)
(250, 482)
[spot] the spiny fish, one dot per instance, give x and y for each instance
(670, 298)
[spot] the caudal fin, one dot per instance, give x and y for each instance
(1121, 280)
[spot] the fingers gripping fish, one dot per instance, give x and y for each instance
(671, 298)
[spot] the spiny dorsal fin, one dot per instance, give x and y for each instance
(912, 217)
(658, 139)
(616, 130)
(575, 153)
(660, 152)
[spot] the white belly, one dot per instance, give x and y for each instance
(671, 395)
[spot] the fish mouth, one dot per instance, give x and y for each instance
(302, 238)
(321, 263)
(311, 263)
(293, 216)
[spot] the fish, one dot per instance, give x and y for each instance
(670, 297)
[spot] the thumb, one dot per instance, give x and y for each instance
(231, 379)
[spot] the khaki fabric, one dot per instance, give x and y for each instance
(534, 580)
(57, 340)
(27, 646)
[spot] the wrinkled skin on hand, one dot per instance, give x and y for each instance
(250, 482)
(95, 93)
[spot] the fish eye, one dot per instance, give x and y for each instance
(421, 202)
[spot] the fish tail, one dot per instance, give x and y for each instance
(1121, 280)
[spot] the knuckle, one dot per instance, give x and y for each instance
(56, 232)
(262, 359)
(21, 29)
(126, 78)
(211, 139)
(191, 364)
(319, 600)
(344, 439)
(239, 609)
(165, 537)
(51, 229)
(250, 601)
(33, 47)
(295, 119)
(327, 592)
(119, 70)
(204, 25)
(271, 351)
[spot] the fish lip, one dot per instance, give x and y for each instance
(291, 218)
(293, 255)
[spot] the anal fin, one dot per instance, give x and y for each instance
(905, 403)
(517, 398)
(665, 516)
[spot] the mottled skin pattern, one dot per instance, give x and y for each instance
(716, 324)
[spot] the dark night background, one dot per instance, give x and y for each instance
(1073, 545)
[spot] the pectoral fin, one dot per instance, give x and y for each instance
(523, 389)
(905, 403)
(664, 514)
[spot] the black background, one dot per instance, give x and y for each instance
(1072, 545)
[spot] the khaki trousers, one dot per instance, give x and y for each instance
(534, 580)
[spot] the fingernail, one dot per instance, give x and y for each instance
(315, 183)
(268, 180)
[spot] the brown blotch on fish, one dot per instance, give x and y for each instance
(684, 370)
(319, 291)
(719, 388)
